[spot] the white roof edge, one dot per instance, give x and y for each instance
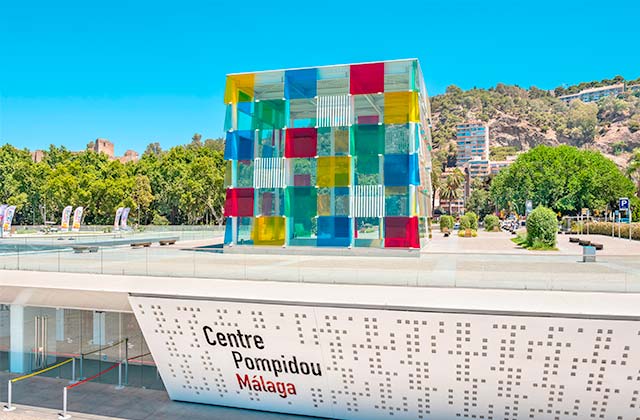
(324, 66)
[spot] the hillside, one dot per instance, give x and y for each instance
(524, 118)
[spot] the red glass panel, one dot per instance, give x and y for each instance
(239, 202)
(301, 143)
(401, 232)
(366, 78)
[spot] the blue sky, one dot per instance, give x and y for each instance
(143, 71)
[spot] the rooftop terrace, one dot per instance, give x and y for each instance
(490, 261)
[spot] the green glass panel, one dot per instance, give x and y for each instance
(269, 114)
(368, 139)
(301, 202)
(397, 201)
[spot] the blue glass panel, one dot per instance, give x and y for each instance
(228, 232)
(334, 231)
(245, 144)
(300, 84)
(396, 170)
(231, 147)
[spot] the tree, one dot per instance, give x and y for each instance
(562, 178)
(153, 149)
(450, 191)
(633, 170)
(542, 228)
(582, 121)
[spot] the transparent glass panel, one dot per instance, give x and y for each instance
(270, 143)
(397, 201)
(333, 80)
(245, 173)
(303, 171)
(368, 109)
(269, 85)
(270, 202)
(399, 76)
(302, 113)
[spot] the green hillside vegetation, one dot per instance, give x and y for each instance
(534, 116)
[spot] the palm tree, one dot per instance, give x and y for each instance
(451, 189)
(633, 170)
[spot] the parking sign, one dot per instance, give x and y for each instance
(623, 204)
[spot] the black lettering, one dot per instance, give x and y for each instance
(259, 342)
(237, 358)
(221, 339)
(206, 331)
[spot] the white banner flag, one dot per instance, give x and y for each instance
(66, 215)
(8, 219)
(116, 221)
(125, 217)
(77, 217)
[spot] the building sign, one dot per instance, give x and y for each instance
(623, 203)
(350, 363)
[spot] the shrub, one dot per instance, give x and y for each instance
(542, 227)
(463, 233)
(473, 219)
(491, 222)
(605, 228)
(465, 222)
(159, 220)
(446, 222)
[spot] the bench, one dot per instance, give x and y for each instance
(599, 247)
(574, 239)
(141, 245)
(584, 242)
(79, 249)
(164, 242)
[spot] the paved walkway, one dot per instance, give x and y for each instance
(41, 399)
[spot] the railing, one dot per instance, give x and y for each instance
(536, 271)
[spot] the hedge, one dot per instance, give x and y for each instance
(490, 222)
(446, 222)
(604, 228)
(542, 227)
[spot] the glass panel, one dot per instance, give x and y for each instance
(239, 88)
(300, 84)
(401, 107)
(366, 78)
(270, 143)
(302, 113)
(228, 117)
(245, 225)
(333, 201)
(303, 172)
(239, 202)
(239, 145)
(368, 139)
(301, 142)
(368, 232)
(270, 202)
(397, 201)
(269, 114)
(368, 109)
(303, 231)
(245, 116)
(245, 174)
(269, 85)
(333, 141)
(301, 202)
(367, 170)
(269, 231)
(401, 170)
(333, 80)
(334, 171)
(399, 76)
(397, 138)
(334, 231)
(401, 232)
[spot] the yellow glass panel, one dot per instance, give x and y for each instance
(239, 88)
(268, 230)
(401, 107)
(334, 171)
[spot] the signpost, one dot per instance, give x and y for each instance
(624, 204)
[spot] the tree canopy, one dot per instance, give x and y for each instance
(184, 184)
(562, 178)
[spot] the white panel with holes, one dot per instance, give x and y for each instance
(375, 364)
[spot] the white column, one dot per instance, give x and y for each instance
(99, 334)
(17, 357)
(59, 324)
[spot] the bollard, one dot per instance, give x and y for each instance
(73, 371)
(9, 407)
(119, 376)
(64, 415)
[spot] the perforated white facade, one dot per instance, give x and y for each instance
(412, 364)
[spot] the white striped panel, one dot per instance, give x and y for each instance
(268, 173)
(367, 201)
(334, 111)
